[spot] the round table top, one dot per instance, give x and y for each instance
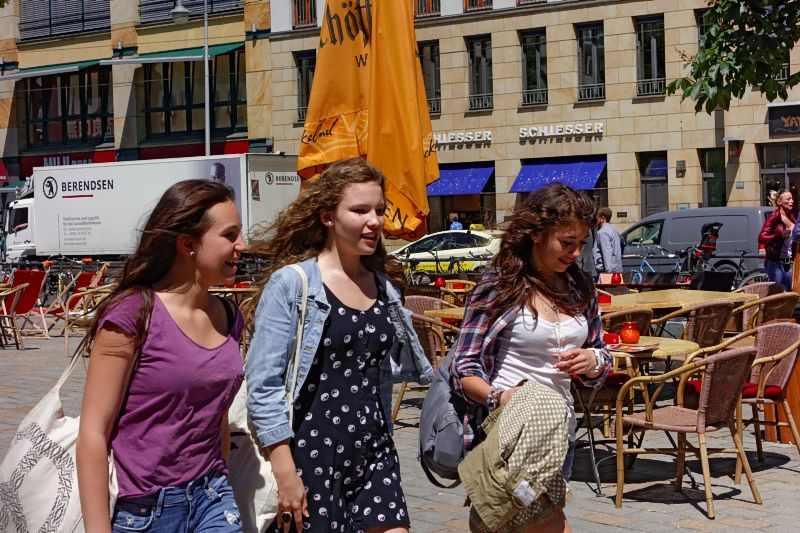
(667, 347)
(453, 313)
(671, 299)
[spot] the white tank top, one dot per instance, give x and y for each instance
(526, 351)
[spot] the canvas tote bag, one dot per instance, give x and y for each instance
(38, 477)
(251, 478)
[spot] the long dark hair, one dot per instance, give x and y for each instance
(551, 206)
(298, 232)
(181, 211)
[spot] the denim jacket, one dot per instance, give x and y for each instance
(274, 341)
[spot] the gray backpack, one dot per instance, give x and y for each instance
(441, 428)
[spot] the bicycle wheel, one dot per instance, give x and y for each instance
(757, 276)
(636, 277)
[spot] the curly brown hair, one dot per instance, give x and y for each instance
(298, 233)
(516, 279)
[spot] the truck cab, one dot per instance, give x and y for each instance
(19, 230)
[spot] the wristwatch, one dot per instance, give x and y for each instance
(493, 399)
(599, 360)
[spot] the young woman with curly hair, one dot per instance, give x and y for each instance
(534, 315)
(335, 466)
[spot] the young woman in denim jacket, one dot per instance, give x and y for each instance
(335, 466)
(534, 316)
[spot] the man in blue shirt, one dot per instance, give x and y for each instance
(454, 223)
(607, 244)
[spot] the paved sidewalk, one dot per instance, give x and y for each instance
(650, 502)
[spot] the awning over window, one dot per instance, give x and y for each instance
(48, 70)
(580, 173)
(175, 56)
(463, 180)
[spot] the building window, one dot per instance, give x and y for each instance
(158, 11)
(429, 60)
(653, 170)
(479, 50)
(175, 101)
(712, 164)
(534, 67)
(591, 63)
(44, 18)
(427, 8)
(780, 169)
(699, 16)
(477, 5)
(306, 63)
(304, 13)
(650, 57)
(72, 108)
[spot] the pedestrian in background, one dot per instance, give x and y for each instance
(775, 236)
(336, 466)
(164, 368)
(454, 223)
(534, 315)
(607, 244)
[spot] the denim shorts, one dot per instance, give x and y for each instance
(205, 504)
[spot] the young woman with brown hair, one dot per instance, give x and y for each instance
(164, 368)
(335, 466)
(534, 316)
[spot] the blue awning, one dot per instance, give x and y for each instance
(579, 173)
(463, 180)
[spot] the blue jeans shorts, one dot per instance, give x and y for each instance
(205, 504)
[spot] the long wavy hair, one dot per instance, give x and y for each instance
(548, 208)
(181, 211)
(298, 233)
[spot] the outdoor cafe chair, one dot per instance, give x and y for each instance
(8, 315)
(612, 322)
(724, 374)
(776, 307)
(85, 279)
(705, 322)
(762, 290)
(419, 304)
(82, 316)
(777, 349)
(431, 336)
(30, 304)
(423, 290)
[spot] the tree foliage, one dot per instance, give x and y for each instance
(745, 43)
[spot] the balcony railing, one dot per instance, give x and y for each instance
(534, 97)
(427, 8)
(434, 105)
(652, 87)
(304, 13)
(477, 5)
(783, 75)
(481, 101)
(301, 114)
(592, 92)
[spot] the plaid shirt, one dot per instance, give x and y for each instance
(476, 347)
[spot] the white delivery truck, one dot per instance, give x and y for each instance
(97, 210)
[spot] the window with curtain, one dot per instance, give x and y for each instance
(306, 62)
(479, 50)
(712, 164)
(429, 60)
(70, 108)
(591, 63)
(175, 96)
(534, 67)
(650, 62)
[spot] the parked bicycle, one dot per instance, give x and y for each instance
(743, 276)
(638, 274)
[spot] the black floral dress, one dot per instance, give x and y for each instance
(342, 448)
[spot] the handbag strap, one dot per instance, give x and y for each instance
(294, 363)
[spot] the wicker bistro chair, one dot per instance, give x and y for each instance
(776, 307)
(612, 322)
(431, 335)
(423, 290)
(724, 375)
(705, 322)
(8, 315)
(82, 314)
(762, 290)
(420, 304)
(777, 345)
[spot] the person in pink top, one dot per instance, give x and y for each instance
(164, 368)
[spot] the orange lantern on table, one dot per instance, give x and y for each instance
(629, 334)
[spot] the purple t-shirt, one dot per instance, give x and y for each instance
(168, 431)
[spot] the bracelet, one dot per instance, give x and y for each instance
(599, 360)
(493, 399)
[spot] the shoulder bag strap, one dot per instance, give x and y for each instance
(294, 363)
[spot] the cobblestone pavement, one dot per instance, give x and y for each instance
(650, 503)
